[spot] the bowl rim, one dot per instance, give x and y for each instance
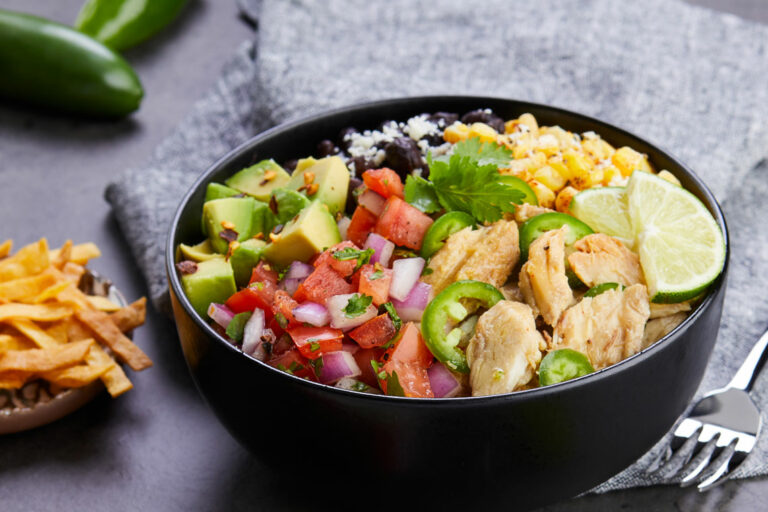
(631, 361)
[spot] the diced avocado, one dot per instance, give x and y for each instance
(313, 231)
(303, 163)
(287, 203)
(237, 211)
(219, 191)
(332, 179)
(255, 182)
(200, 252)
(213, 281)
(263, 219)
(244, 258)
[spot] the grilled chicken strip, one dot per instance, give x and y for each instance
(662, 310)
(607, 328)
(446, 262)
(525, 211)
(495, 256)
(505, 351)
(542, 278)
(657, 328)
(600, 258)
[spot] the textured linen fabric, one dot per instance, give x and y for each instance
(689, 79)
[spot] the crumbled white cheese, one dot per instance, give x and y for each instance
(590, 135)
(419, 127)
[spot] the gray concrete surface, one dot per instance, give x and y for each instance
(158, 447)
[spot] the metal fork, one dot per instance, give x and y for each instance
(718, 433)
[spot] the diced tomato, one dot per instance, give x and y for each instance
(274, 324)
(321, 284)
(403, 224)
(361, 225)
(263, 272)
(284, 304)
(312, 342)
(251, 298)
(375, 332)
(343, 267)
(363, 357)
(294, 362)
(409, 358)
(384, 181)
(375, 283)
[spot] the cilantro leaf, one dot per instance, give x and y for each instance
(421, 194)
(461, 184)
(483, 153)
(393, 385)
(393, 315)
(236, 326)
(350, 253)
(357, 305)
(376, 275)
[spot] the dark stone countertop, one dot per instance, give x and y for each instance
(158, 447)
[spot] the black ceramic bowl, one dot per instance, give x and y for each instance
(519, 450)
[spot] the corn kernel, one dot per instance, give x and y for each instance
(558, 165)
(598, 148)
(530, 122)
(629, 160)
(519, 168)
(456, 132)
(563, 200)
(595, 177)
(511, 125)
(550, 178)
(579, 166)
(610, 173)
(565, 139)
(548, 144)
(544, 195)
(666, 175)
(523, 145)
(482, 131)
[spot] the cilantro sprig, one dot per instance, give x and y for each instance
(468, 180)
(357, 304)
(350, 253)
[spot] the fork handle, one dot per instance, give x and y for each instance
(750, 368)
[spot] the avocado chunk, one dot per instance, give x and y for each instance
(213, 281)
(199, 252)
(331, 176)
(244, 258)
(263, 219)
(303, 163)
(237, 211)
(286, 204)
(255, 182)
(219, 191)
(310, 233)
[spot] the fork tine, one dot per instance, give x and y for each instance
(708, 437)
(724, 471)
(678, 452)
(721, 453)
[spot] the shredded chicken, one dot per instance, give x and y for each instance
(505, 351)
(600, 258)
(607, 328)
(662, 310)
(446, 262)
(525, 211)
(657, 328)
(495, 255)
(542, 278)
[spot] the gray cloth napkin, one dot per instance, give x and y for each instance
(687, 78)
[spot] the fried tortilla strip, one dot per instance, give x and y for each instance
(28, 261)
(80, 253)
(35, 333)
(13, 379)
(76, 376)
(130, 317)
(26, 288)
(5, 248)
(11, 342)
(52, 291)
(62, 256)
(58, 331)
(114, 378)
(45, 359)
(108, 333)
(103, 303)
(73, 271)
(76, 330)
(39, 312)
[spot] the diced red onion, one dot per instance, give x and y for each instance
(382, 249)
(336, 366)
(311, 313)
(339, 319)
(220, 314)
(442, 381)
(343, 224)
(411, 308)
(252, 333)
(350, 347)
(299, 270)
(372, 202)
(291, 284)
(405, 274)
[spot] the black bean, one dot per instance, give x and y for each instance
(290, 165)
(403, 155)
(448, 118)
(326, 148)
(341, 142)
(434, 139)
(484, 116)
(362, 164)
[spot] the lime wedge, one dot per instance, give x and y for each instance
(604, 209)
(680, 245)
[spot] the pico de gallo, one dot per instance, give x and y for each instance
(436, 257)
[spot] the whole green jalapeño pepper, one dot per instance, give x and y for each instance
(441, 229)
(446, 309)
(121, 24)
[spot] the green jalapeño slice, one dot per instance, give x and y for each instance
(441, 229)
(562, 365)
